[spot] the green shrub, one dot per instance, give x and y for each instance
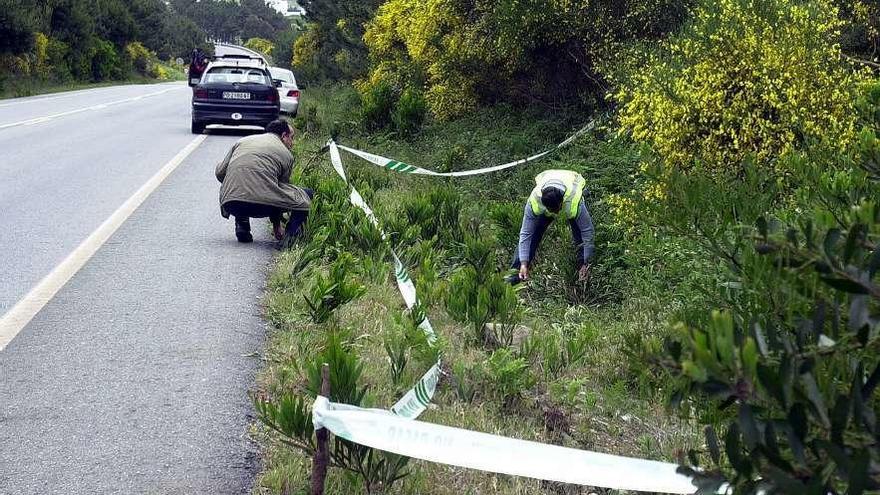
(377, 104)
(467, 379)
(478, 294)
(555, 352)
(790, 366)
(106, 63)
(396, 348)
(346, 369)
(507, 218)
(436, 212)
(409, 112)
(139, 57)
(56, 58)
(509, 376)
(80, 58)
(329, 293)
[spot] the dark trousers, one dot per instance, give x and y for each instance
(540, 229)
(243, 211)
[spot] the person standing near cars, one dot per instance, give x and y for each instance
(255, 183)
(557, 193)
(198, 63)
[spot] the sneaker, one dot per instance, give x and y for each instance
(513, 279)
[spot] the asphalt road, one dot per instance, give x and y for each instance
(134, 377)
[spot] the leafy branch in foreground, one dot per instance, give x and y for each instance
(795, 381)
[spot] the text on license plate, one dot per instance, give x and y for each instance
(231, 95)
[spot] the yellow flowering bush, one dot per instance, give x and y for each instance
(159, 72)
(139, 57)
(310, 56)
(745, 79)
(41, 55)
(260, 45)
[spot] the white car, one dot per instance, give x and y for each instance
(287, 89)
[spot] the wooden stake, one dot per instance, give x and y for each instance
(322, 453)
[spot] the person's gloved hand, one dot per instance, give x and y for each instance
(584, 273)
(523, 271)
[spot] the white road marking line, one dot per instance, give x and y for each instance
(40, 120)
(24, 310)
(67, 94)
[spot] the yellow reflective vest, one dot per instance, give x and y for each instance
(573, 184)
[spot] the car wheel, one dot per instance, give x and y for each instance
(197, 127)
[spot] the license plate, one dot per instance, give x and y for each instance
(229, 95)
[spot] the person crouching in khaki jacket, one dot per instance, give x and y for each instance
(255, 183)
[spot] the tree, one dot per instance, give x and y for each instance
(182, 36)
(74, 24)
(114, 22)
(284, 41)
(231, 21)
(18, 21)
(256, 27)
(332, 46)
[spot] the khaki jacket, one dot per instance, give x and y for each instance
(257, 170)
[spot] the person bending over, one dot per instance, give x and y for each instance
(556, 193)
(255, 183)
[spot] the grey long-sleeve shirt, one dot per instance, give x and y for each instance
(583, 222)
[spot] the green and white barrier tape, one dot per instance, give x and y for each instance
(412, 169)
(416, 400)
(470, 449)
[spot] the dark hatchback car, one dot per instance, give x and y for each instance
(234, 90)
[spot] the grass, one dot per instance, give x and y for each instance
(598, 395)
(22, 87)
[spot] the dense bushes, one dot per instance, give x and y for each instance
(106, 63)
(790, 365)
(753, 79)
(539, 52)
(331, 47)
(756, 170)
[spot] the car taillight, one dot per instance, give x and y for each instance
(293, 93)
(200, 93)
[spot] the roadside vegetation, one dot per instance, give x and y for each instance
(731, 319)
(55, 45)
(556, 371)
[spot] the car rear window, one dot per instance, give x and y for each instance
(285, 76)
(236, 75)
